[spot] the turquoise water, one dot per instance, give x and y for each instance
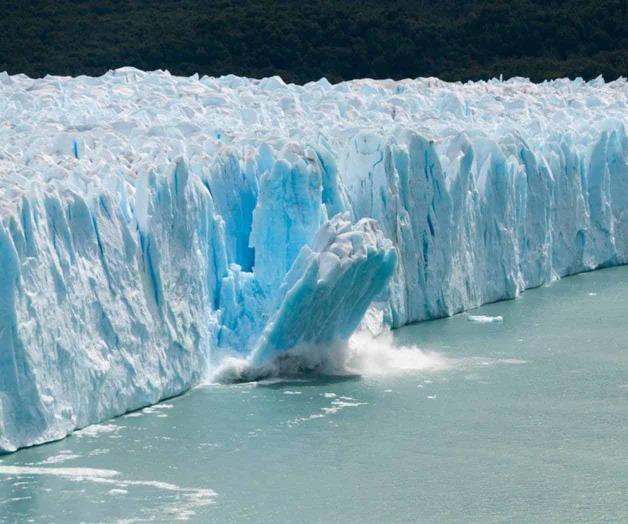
(522, 420)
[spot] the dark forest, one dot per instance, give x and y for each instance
(303, 41)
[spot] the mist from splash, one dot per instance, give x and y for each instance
(369, 355)
(362, 355)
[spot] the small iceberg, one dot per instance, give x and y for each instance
(484, 319)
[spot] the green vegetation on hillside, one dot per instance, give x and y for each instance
(306, 40)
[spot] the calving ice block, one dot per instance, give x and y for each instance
(153, 227)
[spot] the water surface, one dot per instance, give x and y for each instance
(526, 422)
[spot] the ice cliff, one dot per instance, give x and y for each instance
(153, 227)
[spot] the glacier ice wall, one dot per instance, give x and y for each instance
(152, 227)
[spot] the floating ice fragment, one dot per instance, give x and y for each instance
(484, 319)
(97, 430)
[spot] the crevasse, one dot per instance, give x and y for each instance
(152, 227)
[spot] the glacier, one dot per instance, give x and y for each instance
(155, 229)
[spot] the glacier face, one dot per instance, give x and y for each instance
(154, 227)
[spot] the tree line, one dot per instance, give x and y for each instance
(306, 40)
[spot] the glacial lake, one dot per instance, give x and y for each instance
(523, 419)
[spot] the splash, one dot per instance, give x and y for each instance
(362, 355)
(369, 355)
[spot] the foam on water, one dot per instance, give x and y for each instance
(190, 499)
(64, 456)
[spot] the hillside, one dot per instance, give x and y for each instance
(302, 41)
